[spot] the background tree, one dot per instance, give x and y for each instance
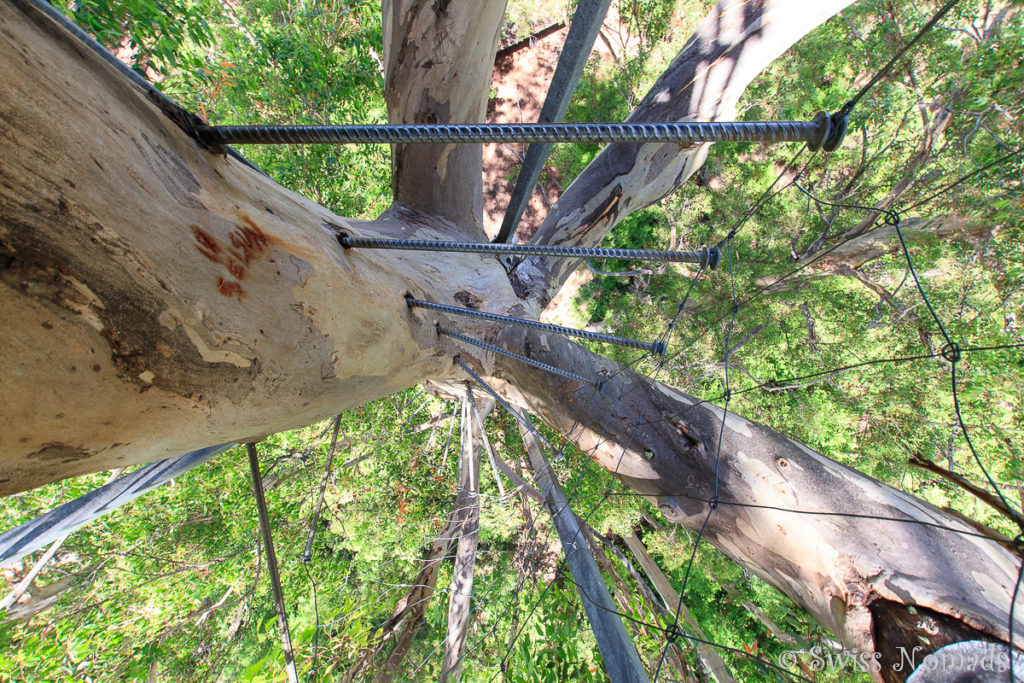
(209, 332)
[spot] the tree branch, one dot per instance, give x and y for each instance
(733, 44)
(783, 503)
(991, 500)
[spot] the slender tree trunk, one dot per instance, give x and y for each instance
(708, 656)
(467, 508)
(855, 251)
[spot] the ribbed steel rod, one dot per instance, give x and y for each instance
(706, 257)
(654, 347)
(812, 132)
(529, 361)
(504, 404)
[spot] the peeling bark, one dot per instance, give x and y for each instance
(736, 41)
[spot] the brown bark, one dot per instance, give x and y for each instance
(963, 482)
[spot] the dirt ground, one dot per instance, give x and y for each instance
(518, 87)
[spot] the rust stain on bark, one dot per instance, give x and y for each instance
(228, 288)
(245, 243)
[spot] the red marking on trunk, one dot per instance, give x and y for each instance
(205, 241)
(247, 243)
(228, 288)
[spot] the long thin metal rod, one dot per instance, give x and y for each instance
(657, 347)
(586, 24)
(504, 404)
(706, 257)
(314, 521)
(77, 512)
(275, 578)
(812, 132)
(529, 361)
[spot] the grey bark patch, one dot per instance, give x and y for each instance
(182, 185)
(57, 451)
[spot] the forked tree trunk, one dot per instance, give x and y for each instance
(157, 298)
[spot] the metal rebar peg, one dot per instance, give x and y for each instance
(504, 404)
(818, 132)
(708, 257)
(529, 361)
(657, 347)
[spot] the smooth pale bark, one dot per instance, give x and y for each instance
(854, 575)
(467, 506)
(479, 428)
(156, 298)
(733, 44)
(438, 60)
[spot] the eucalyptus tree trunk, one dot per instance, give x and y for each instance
(158, 297)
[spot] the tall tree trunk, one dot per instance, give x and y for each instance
(158, 298)
(467, 510)
(731, 46)
(870, 569)
(707, 654)
(855, 251)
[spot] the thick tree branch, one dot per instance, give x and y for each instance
(438, 59)
(851, 551)
(736, 41)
